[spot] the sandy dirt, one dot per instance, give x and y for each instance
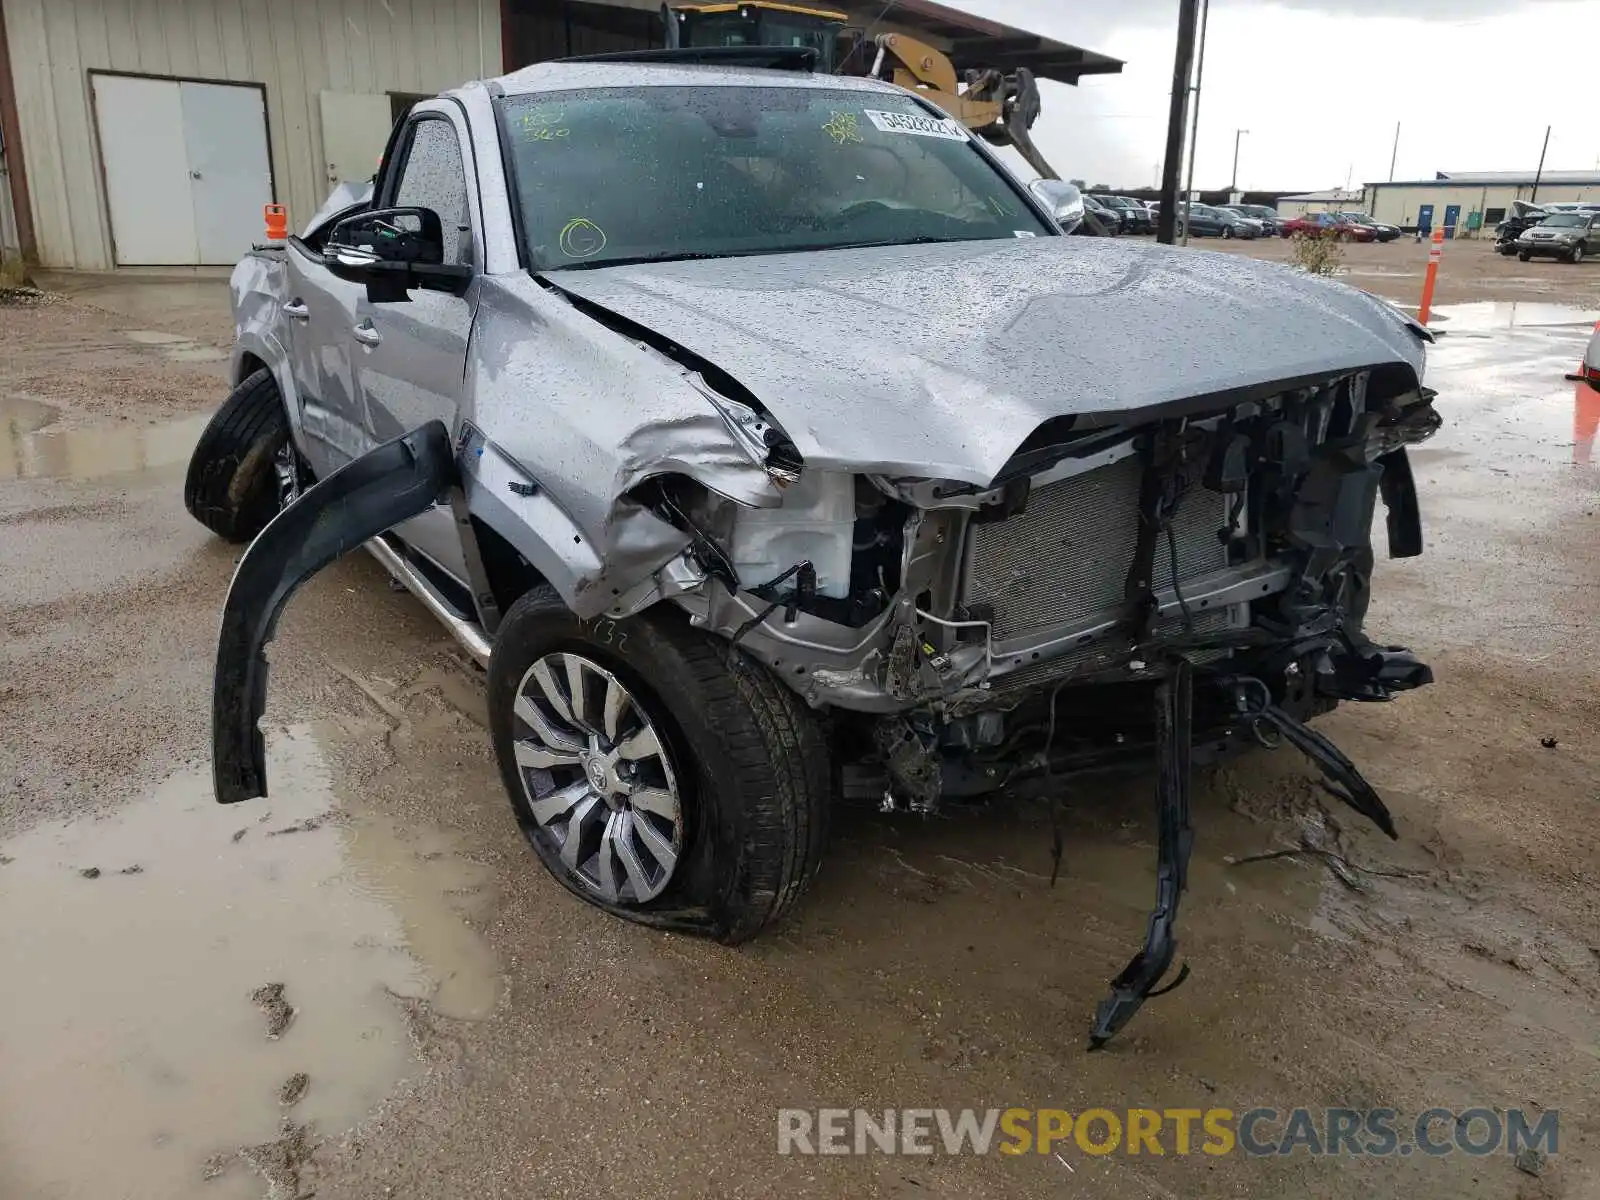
(467, 1028)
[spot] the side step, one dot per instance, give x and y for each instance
(466, 632)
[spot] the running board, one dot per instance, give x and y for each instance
(468, 633)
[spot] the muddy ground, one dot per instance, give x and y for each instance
(364, 986)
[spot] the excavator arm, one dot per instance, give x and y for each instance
(999, 107)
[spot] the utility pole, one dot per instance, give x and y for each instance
(1194, 136)
(1233, 184)
(1395, 153)
(1177, 121)
(1539, 174)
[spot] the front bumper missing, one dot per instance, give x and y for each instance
(388, 485)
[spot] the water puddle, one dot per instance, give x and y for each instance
(134, 1031)
(22, 416)
(1488, 315)
(175, 346)
(30, 449)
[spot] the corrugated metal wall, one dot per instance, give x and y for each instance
(9, 240)
(297, 48)
(1398, 204)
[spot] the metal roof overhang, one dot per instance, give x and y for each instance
(974, 41)
(969, 40)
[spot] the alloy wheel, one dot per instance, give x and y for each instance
(598, 778)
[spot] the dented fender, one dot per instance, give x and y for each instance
(564, 421)
(385, 486)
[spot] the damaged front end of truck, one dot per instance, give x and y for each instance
(970, 604)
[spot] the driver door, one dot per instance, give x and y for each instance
(320, 310)
(410, 357)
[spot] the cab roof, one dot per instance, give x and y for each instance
(572, 75)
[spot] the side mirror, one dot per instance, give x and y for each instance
(1063, 200)
(393, 250)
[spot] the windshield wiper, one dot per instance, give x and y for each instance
(634, 260)
(754, 252)
(921, 240)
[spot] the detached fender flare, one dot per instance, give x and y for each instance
(383, 487)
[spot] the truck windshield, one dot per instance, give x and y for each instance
(636, 174)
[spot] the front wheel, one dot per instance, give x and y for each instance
(1523, 256)
(236, 481)
(657, 773)
(1227, 232)
(1577, 255)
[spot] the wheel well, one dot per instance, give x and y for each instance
(509, 574)
(249, 364)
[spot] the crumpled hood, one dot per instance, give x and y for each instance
(939, 360)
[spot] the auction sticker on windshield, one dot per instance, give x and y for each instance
(939, 127)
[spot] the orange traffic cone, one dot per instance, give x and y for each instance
(277, 218)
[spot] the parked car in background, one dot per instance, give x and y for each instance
(1268, 217)
(1570, 235)
(1133, 216)
(1327, 224)
(1523, 216)
(1110, 220)
(1206, 221)
(1144, 218)
(1382, 232)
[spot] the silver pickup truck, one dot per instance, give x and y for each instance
(765, 440)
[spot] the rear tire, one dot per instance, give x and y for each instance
(746, 761)
(232, 487)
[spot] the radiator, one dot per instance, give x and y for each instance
(1067, 557)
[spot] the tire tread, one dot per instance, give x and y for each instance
(773, 756)
(252, 413)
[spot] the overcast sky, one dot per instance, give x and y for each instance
(1320, 84)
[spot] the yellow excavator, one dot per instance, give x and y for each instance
(999, 107)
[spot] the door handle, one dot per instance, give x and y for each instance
(297, 309)
(366, 334)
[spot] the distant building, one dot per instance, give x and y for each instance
(1467, 201)
(1314, 202)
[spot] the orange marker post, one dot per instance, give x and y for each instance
(1435, 253)
(277, 218)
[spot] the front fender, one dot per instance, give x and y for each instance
(387, 485)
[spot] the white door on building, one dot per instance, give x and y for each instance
(186, 168)
(355, 129)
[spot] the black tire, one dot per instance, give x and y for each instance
(1523, 256)
(753, 763)
(1577, 254)
(1227, 231)
(232, 484)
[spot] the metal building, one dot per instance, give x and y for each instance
(1316, 202)
(151, 132)
(1471, 200)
